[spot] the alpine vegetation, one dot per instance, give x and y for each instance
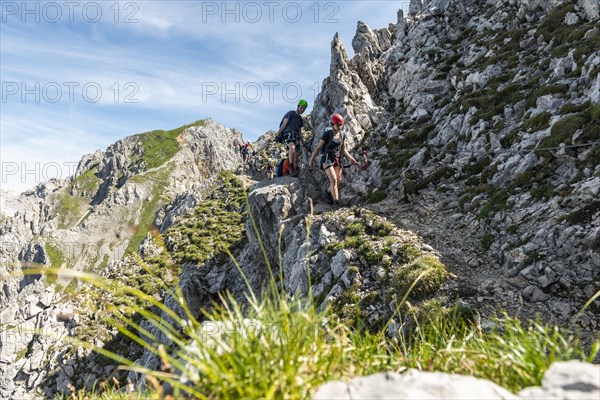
(437, 221)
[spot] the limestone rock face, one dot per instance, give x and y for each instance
(413, 385)
(344, 91)
(567, 380)
(464, 128)
(564, 380)
(591, 8)
(478, 123)
(296, 243)
(84, 223)
(365, 40)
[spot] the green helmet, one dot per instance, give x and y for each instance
(303, 103)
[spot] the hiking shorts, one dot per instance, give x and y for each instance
(328, 161)
(290, 137)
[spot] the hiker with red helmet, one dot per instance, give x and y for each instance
(245, 150)
(291, 127)
(331, 146)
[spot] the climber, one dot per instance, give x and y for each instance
(245, 150)
(270, 168)
(331, 145)
(365, 160)
(291, 128)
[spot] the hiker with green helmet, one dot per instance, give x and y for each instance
(291, 128)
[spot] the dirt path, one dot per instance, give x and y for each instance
(476, 279)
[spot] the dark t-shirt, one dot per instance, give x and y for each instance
(331, 147)
(295, 122)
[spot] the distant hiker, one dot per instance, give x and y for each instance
(331, 146)
(245, 150)
(270, 169)
(365, 160)
(290, 129)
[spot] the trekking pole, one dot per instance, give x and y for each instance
(365, 164)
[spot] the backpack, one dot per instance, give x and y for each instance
(279, 138)
(279, 168)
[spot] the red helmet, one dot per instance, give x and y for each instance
(337, 119)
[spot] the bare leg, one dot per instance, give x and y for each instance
(333, 183)
(338, 174)
(292, 154)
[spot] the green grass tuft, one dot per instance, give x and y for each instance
(285, 348)
(87, 182)
(496, 203)
(149, 207)
(377, 196)
(588, 120)
(537, 123)
(160, 146)
(69, 208)
(434, 275)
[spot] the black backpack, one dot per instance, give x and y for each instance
(279, 138)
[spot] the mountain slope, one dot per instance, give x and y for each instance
(485, 121)
(481, 125)
(116, 197)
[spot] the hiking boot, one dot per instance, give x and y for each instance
(329, 197)
(338, 203)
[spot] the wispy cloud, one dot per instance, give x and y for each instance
(160, 64)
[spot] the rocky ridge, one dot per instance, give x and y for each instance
(484, 119)
(86, 223)
(451, 100)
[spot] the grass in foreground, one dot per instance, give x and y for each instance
(281, 347)
(277, 346)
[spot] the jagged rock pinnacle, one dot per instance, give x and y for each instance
(365, 40)
(339, 57)
(400, 26)
(415, 7)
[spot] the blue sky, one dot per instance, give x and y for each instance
(77, 76)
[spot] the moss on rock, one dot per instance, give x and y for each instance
(214, 225)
